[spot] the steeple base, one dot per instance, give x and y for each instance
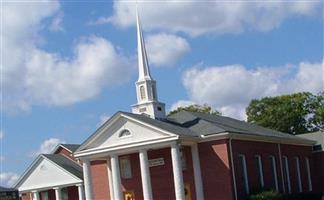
(153, 109)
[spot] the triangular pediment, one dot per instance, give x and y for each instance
(45, 174)
(110, 134)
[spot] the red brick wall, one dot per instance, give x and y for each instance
(292, 151)
(100, 180)
(73, 193)
(188, 173)
(64, 152)
(265, 150)
(318, 175)
(51, 194)
(215, 168)
(161, 176)
(250, 150)
(135, 183)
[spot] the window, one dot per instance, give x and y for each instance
(258, 163)
(310, 187)
(124, 133)
(286, 171)
(245, 174)
(142, 92)
(300, 187)
(44, 195)
(65, 194)
(125, 167)
(274, 173)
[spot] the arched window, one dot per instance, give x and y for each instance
(124, 133)
(142, 92)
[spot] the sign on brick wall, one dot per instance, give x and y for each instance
(156, 162)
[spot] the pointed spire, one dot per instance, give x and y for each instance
(143, 66)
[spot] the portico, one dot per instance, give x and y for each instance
(66, 179)
(144, 141)
(114, 171)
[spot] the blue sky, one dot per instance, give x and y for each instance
(67, 66)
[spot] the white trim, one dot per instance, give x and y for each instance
(87, 180)
(32, 167)
(35, 195)
(145, 175)
(121, 149)
(256, 138)
(110, 181)
(112, 120)
(245, 173)
(80, 191)
(57, 193)
(197, 172)
(116, 177)
(285, 158)
(309, 176)
(300, 186)
(177, 172)
(260, 171)
(58, 146)
(274, 171)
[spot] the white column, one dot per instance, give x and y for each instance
(110, 181)
(80, 191)
(145, 174)
(57, 193)
(87, 179)
(116, 177)
(35, 195)
(197, 172)
(177, 172)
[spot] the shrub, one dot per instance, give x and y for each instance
(266, 195)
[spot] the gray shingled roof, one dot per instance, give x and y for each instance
(195, 124)
(66, 164)
(71, 147)
(165, 125)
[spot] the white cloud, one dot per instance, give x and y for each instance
(47, 146)
(197, 18)
(1, 135)
(166, 49)
(56, 24)
(8, 179)
(103, 118)
(229, 89)
(37, 77)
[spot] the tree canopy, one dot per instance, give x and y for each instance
(294, 113)
(196, 108)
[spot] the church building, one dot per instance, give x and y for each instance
(186, 156)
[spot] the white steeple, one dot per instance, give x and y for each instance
(147, 101)
(143, 66)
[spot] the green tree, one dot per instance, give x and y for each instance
(196, 108)
(294, 113)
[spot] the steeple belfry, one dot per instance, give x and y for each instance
(147, 101)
